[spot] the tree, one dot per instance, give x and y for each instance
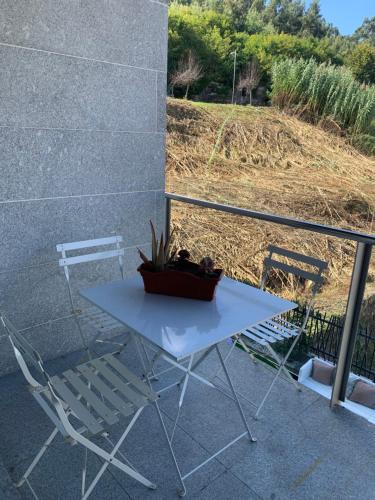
(188, 72)
(313, 23)
(361, 61)
(250, 78)
(237, 11)
(255, 21)
(258, 5)
(285, 15)
(366, 32)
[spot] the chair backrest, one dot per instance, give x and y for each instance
(24, 352)
(66, 261)
(45, 394)
(315, 274)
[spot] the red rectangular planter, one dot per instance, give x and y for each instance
(180, 283)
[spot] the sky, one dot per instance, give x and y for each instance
(347, 15)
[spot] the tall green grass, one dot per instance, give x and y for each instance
(323, 91)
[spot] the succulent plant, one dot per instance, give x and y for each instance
(161, 252)
(207, 265)
(183, 254)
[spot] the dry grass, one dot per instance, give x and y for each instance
(261, 159)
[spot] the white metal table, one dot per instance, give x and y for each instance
(181, 328)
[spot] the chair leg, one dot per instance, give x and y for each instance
(120, 453)
(84, 472)
(284, 369)
(149, 360)
(247, 350)
(137, 343)
(152, 363)
(280, 369)
(111, 460)
(268, 393)
(32, 490)
(120, 345)
(125, 344)
(227, 356)
(37, 458)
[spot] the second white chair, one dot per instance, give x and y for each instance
(278, 330)
(84, 252)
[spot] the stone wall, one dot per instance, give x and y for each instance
(82, 124)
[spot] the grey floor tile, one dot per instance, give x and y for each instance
(336, 479)
(23, 427)
(274, 467)
(227, 487)
(7, 489)
(10, 494)
(148, 451)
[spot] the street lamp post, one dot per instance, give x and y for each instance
(234, 73)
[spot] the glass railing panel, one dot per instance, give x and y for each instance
(239, 244)
(363, 362)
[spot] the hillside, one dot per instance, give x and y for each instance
(262, 159)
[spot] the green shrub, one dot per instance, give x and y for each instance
(269, 48)
(323, 91)
(361, 61)
(208, 34)
(365, 143)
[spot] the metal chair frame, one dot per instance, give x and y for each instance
(278, 329)
(113, 382)
(101, 321)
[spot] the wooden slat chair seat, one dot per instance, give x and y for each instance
(271, 331)
(276, 330)
(100, 391)
(99, 320)
(83, 402)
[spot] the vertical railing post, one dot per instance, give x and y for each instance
(167, 218)
(352, 316)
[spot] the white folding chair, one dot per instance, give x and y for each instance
(99, 320)
(278, 329)
(96, 395)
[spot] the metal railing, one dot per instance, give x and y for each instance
(364, 242)
(322, 338)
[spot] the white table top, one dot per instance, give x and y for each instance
(182, 327)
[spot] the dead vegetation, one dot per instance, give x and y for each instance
(261, 159)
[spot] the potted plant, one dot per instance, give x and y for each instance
(173, 273)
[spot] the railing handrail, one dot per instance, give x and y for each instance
(278, 219)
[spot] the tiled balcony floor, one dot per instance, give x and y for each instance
(304, 450)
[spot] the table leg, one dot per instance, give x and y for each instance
(253, 439)
(181, 492)
(186, 379)
(184, 369)
(182, 395)
(138, 341)
(200, 360)
(190, 373)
